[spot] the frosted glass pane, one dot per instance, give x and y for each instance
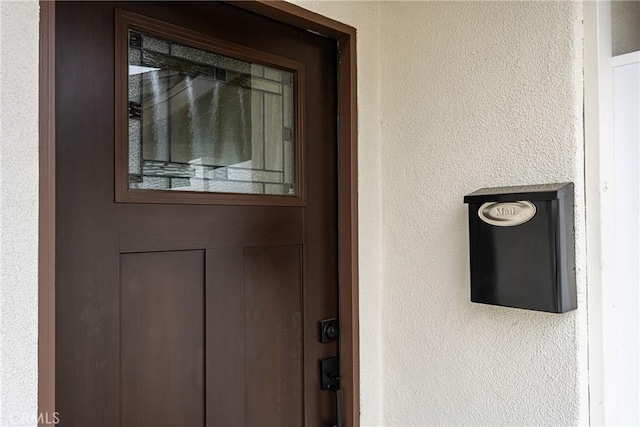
(272, 74)
(157, 45)
(134, 146)
(273, 131)
(200, 121)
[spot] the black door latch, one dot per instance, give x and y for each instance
(329, 374)
(330, 380)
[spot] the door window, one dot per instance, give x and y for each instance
(199, 120)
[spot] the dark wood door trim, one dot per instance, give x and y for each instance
(348, 227)
(126, 20)
(345, 37)
(298, 17)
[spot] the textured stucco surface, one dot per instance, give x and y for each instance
(18, 212)
(475, 94)
(625, 26)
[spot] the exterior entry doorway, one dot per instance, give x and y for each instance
(205, 268)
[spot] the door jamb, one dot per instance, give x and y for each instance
(345, 37)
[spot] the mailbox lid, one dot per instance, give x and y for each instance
(523, 192)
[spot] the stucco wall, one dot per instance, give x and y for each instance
(18, 212)
(475, 94)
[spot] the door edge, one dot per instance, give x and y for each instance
(46, 217)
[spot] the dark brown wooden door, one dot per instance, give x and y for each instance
(179, 314)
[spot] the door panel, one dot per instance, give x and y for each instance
(273, 336)
(254, 333)
(268, 274)
(162, 339)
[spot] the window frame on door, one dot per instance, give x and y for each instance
(126, 21)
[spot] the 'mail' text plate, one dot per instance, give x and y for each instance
(507, 214)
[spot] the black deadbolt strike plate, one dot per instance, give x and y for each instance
(328, 330)
(330, 373)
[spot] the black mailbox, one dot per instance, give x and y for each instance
(521, 243)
